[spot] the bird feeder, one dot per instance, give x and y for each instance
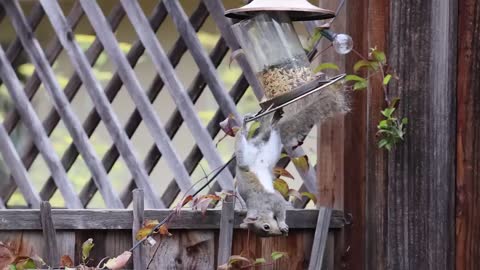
(274, 51)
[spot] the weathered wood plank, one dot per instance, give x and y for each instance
(376, 165)
(226, 230)
(49, 235)
(421, 170)
(111, 90)
(467, 249)
(15, 167)
(138, 217)
(320, 238)
(173, 124)
(46, 74)
(355, 140)
(41, 140)
(191, 249)
(106, 112)
(53, 50)
(116, 219)
(176, 90)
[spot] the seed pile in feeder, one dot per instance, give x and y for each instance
(281, 78)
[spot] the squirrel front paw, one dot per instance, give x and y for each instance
(283, 227)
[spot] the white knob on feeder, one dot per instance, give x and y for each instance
(342, 43)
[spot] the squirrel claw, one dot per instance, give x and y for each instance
(283, 227)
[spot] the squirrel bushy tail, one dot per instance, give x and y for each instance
(299, 117)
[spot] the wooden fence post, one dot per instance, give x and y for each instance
(226, 230)
(421, 170)
(49, 234)
(320, 238)
(138, 216)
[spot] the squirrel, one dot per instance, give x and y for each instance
(256, 158)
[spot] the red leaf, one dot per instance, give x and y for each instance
(229, 126)
(278, 171)
(66, 261)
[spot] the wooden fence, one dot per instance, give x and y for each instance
(413, 208)
(198, 241)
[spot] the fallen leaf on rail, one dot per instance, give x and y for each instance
(119, 262)
(66, 261)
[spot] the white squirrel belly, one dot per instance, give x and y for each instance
(265, 176)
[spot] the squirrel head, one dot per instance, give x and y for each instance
(262, 225)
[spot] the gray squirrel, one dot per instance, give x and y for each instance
(256, 157)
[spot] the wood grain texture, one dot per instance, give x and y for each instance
(376, 159)
(115, 219)
(192, 249)
(297, 245)
(226, 230)
(468, 137)
(421, 170)
(49, 235)
(138, 218)
(355, 142)
(320, 239)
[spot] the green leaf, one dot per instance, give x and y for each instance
(360, 64)
(311, 196)
(355, 78)
(278, 254)
(382, 143)
(12, 267)
(388, 112)
(237, 258)
(317, 35)
(253, 127)
(260, 261)
(387, 79)
(86, 248)
(301, 162)
(383, 124)
(405, 120)
(360, 85)
(281, 186)
(379, 56)
(324, 66)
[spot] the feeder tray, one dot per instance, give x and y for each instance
(276, 103)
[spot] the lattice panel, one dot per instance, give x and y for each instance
(102, 115)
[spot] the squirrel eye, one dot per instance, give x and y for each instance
(266, 227)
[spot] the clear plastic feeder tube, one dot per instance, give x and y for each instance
(274, 52)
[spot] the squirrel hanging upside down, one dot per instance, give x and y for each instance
(256, 157)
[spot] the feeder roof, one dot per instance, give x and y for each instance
(298, 10)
